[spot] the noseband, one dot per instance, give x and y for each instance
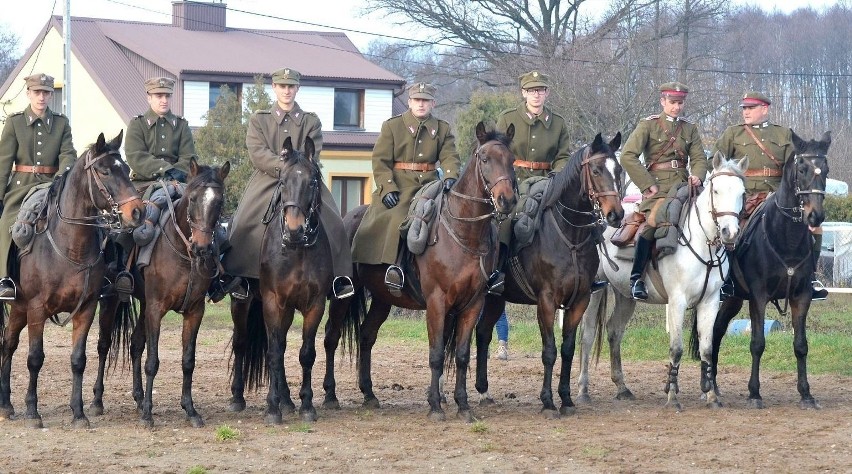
(797, 213)
(311, 233)
(481, 157)
(587, 185)
(717, 214)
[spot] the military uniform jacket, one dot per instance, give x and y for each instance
(403, 139)
(650, 138)
(157, 144)
(29, 140)
(541, 139)
(735, 142)
(267, 131)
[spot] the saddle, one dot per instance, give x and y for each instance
(526, 217)
(417, 226)
(32, 218)
(664, 216)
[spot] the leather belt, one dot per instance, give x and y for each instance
(35, 169)
(763, 172)
(532, 165)
(415, 166)
(667, 165)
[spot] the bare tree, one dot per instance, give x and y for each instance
(8, 47)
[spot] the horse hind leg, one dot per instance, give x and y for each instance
(8, 345)
(83, 320)
(674, 321)
(616, 326)
(191, 324)
(376, 316)
(106, 322)
(491, 311)
(307, 358)
(35, 360)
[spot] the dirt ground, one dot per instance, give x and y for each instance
(606, 436)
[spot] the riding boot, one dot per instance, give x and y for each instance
(342, 287)
(497, 279)
(640, 260)
(818, 291)
(7, 289)
(220, 287)
(727, 289)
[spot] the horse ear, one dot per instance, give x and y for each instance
(480, 133)
(287, 149)
(193, 166)
(224, 170)
(615, 143)
(510, 132)
(115, 143)
(798, 143)
(718, 160)
(310, 148)
(743, 163)
(826, 138)
(597, 143)
(100, 143)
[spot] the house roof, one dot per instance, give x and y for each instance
(120, 55)
(349, 140)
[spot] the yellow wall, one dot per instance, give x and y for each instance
(349, 164)
(91, 112)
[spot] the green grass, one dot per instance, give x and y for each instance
(197, 470)
(226, 433)
(479, 427)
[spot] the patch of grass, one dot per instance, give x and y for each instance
(226, 433)
(487, 447)
(301, 427)
(479, 427)
(197, 470)
(597, 452)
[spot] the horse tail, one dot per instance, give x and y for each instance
(450, 335)
(351, 330)
(254, 361)
(126, 315)
(599, 325)
(693, 338)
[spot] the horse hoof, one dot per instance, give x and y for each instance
(675, 405)
(81, 424)
(271, 419)
(96, 409)
(568, 411)
(34, 423)
(550, 414)
(7, 413)
(309, 415)
(287, 408)
(437, 415)
(195, 421)
(625, 395)
(331, 404)
(486, 402)
(809, 405)
(372, 403)
(585, 399)
(715, 404)
(756, 403)
(236, 407)
(146, 423)
(466, 416)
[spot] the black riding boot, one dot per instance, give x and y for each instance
(818, 292)
(497, 279)
(640, 259)
(727, 289)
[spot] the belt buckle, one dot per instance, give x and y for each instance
(675, 164)
(766, 171)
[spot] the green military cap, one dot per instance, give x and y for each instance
(533, 79)
(422, 90)
(286, 76)
(160, 85)
(750, 99)
(674, 90)
(39, 82)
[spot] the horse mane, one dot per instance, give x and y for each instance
(205, 174)
(566, 179)
(496, 135)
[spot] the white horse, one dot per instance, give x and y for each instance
(691, 277)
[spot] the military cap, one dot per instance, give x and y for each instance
(39, 82)
(753, 98)
(533, 79)
(422, 90)
(286, 76)
(674, 90)
(160, 85)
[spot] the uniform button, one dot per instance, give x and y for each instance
(420, 154)
(38, 162)
(39, 133)
(390, 181)
(38, 125)
(419, 141)
(532, 149)
(38, 153)
(162, 149)
(286, 131)
(18, 182)
(39, 143)
(162, 136)
(533, 136)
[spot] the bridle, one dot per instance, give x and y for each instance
(796, 214)
(587, 186)
(714, 214)
(309, 237)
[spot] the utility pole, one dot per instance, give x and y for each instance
(66, 82)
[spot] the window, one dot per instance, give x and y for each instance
(348, 192)
(348, 109)
(216, 90)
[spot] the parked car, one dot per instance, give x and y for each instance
(834, 268)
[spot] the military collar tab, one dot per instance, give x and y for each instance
(670, 119)
(761, 125)
(296, 113)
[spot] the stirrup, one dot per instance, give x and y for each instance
(8, 290)
(394, 279)
(598, 285)
(818, 291)
(496, 283)
(342, 287)
(219, 288)
(239, 291)
(726, 291)
(638, 290)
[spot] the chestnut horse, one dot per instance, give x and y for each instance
(557, 269)
(65, 267)
(183, 262)
(452, 273)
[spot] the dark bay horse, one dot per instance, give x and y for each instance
(557, 269)
(774, 261)
(183, 261)
(452, 273)
(295, 274)
(64, 269)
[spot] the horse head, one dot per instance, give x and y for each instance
(807, 174)
(602, 178)
(205, 196)
(106, 170)
(725, 198)
(299, 185)
(494, 161)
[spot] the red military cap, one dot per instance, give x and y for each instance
(750, 99)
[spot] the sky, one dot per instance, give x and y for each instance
(27, 17)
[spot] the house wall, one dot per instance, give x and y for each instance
(91, 112)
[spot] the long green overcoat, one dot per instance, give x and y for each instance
(735, 142)
(155, 144)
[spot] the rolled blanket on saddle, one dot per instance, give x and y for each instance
(23, 230)
(526, 219)
(666, 217)
(144, 234)
(416, 227)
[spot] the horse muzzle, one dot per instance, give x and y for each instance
(132, 213)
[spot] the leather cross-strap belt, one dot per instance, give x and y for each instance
(35, 169)
(532, 165)
(667, 165)
(763, 172)
(415, 166)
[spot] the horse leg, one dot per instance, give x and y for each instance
(376, 316)
(491, 311)
(82, 322)
(463, 332)
(307, 358)
(705, 316)
(615, 329)
(757, 312)
(333, 332)
(589, 324)
(106, 321)
(191, 323)
(436, 314)
(674, 326)
(799, 309)
(546, 312)
(278, 319)
(8, 346)
(727, 310)
(137, 347)
(35, 360)
(239, 341)
(571, 320)
(153, 318)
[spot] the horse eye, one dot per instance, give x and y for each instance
(104, 171)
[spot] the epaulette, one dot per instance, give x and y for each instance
(21, 112)
(394, 117)
(139, 116)
(263, 111)
(652, 117)
(557, 115)
(508, 110)
(682, 119)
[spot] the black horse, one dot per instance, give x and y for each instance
(774, 260)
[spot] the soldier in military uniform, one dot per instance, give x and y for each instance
(34, 148)
(404, 160)
(267, 131)
(768, 146)
(669, 143)
(540, 146)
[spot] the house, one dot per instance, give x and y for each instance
(110, 60)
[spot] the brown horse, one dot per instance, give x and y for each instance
(67, 257)
(183, 261)
(557, 269)
(295, 274)
(452, 273)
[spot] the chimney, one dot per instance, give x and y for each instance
(199, 16)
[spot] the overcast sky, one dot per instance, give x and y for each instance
(27, 17)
